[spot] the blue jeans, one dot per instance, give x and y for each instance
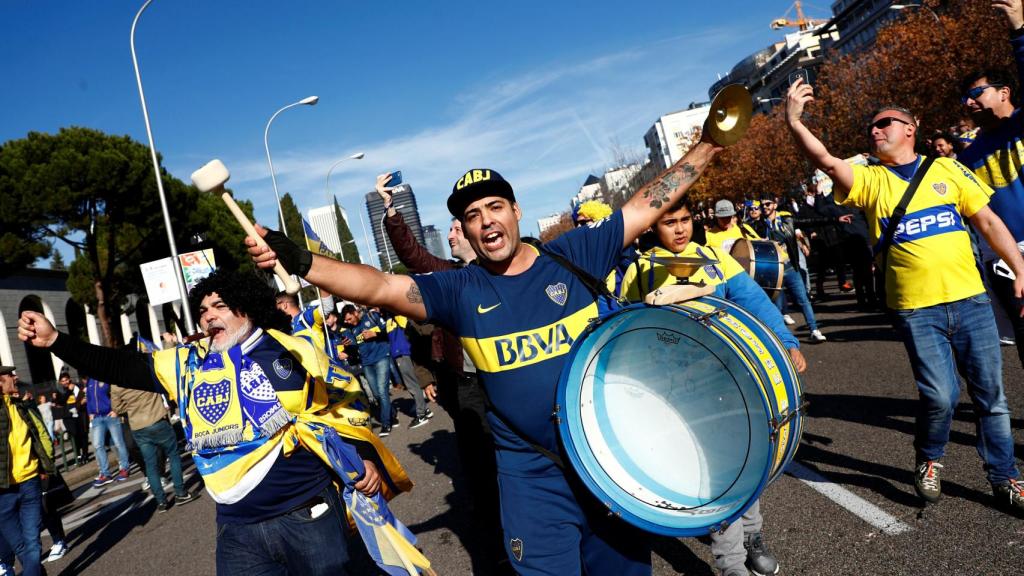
(98, 428)
(793, 283)
(21, 521)
(290, 544)
(941, 341)
(152, 440)
(377, 376)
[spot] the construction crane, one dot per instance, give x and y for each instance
(801, 22)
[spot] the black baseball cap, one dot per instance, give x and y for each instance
(476, 184)
(5, 370)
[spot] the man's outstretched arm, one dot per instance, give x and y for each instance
(356, 282)
(654, 199)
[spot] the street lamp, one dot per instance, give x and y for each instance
(905, 6)
(383, 236)
(307, 101)
(330, 199)
(366, 237)
(189, 327)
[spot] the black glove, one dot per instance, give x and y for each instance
(294, 258)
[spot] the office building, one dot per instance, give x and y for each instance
(405, 202)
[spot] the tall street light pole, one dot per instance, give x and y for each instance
(179, 279)
(307, 101)
(366, 239)
(327, 191)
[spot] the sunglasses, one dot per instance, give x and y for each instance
(883, 123)
(977, 91)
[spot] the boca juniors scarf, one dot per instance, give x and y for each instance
(228, 399)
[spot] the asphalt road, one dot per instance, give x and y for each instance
(846, 507)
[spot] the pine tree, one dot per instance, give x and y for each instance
(349, 250)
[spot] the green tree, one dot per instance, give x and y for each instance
(292, 220)
(349, 250)
(95, 192)
(57, 262)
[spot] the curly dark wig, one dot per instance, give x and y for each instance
(244, 293)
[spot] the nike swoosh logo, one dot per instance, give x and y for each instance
(481, 310)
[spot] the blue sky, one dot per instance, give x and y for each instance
(540, 91)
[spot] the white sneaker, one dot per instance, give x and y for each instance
(164, 481)
(57, 551)
(817, 336)
(788, 320)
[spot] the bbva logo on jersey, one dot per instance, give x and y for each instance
(538, 345)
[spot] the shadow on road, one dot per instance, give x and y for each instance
(110, 527)
(893, 413)
(680, 557)
(440, 451)
(897, 414)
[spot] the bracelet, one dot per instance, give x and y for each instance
(1014, 34)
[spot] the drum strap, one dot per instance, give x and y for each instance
(882, 247)
(554, 457)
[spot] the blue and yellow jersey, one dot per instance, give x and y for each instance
(996, 157)
(374, 349)
(930, 260)
(724, 239)
(729, 279)
(518, 329)
(257, 478)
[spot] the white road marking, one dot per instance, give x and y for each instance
(860, 507)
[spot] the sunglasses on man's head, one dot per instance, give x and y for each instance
(883, 123)
(976, 92)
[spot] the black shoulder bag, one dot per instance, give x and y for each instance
(882, 247)
(901, 210)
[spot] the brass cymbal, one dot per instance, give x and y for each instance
(729, 116)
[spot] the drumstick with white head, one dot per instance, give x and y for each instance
(211, 178)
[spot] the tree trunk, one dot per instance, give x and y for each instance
(101, 314)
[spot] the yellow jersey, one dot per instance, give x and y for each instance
(24, 464)
(930, 260)
(724, 239)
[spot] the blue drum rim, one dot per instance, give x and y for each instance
(793, 384)
(601, 486)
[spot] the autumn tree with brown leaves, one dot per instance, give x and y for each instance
(916, 62)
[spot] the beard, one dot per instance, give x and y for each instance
(232, 337)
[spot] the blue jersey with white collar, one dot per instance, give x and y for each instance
(518, 330)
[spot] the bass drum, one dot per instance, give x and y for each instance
(763, 261)
(677, 417)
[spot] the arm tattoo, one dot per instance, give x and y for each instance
(659, 192)
(689, 172)
(413, 295)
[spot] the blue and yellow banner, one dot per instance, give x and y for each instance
(315, 244)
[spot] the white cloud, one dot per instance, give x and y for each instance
(544, 130)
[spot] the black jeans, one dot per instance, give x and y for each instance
(1003, 289)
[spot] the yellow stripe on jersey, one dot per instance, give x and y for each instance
(1000, 168)
(511, 351)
